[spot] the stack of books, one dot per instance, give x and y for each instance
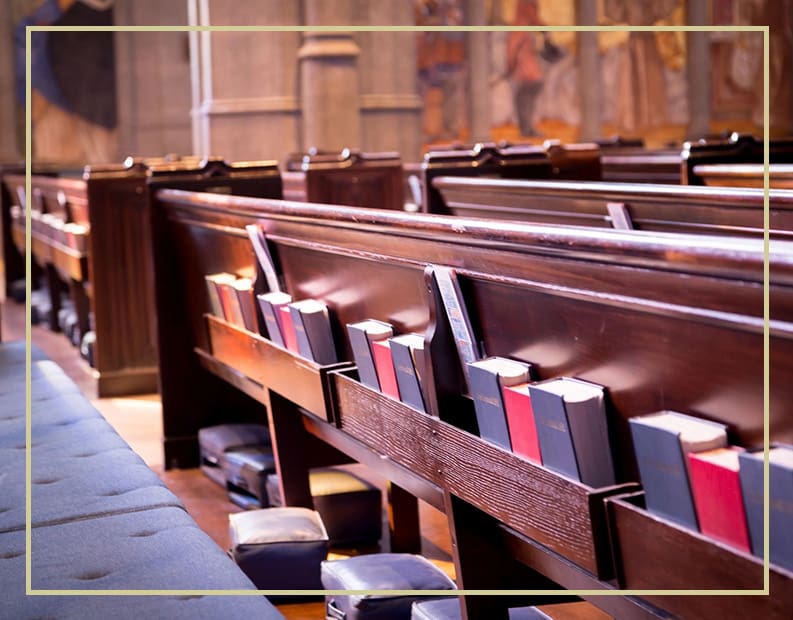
(231, 298)
(393, 365)
(302, 327)
(692, 477)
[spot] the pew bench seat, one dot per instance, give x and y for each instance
(100, 518)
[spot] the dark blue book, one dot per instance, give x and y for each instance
(270, 304)
(313, 331)
(780, 507)
(661, 442)
(403, 353)
(486, 378)
(572, 428)
(361, 335)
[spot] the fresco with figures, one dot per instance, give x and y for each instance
(534, 81)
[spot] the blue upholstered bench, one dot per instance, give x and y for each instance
(101, 519)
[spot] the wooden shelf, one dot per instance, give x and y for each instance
(296, 378)
(686, 560)
(561, 514)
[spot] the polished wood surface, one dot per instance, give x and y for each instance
(348, 177)
(780, 176)
(657, 319)
(646, 207)
(111, 282)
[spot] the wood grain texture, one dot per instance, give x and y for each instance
(540, 504)
(686, 560)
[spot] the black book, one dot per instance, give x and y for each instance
(270, 305)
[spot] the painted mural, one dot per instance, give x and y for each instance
(73, 81)
(534, 80)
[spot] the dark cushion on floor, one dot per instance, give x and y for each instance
(381, 571)
(215, 441)
(448, 608)
(132, 551)
(351, 507)
(247, 471)
(279, 548)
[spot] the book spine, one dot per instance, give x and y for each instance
(231, 306)
(589, 433)
(751, 478)
(381, 353)
(407, 379)
(521, 424)
(489, 408)
(664, 475)
(320, 337)
(214, 299)
(248, 309)
(303, 344)
(288, 329)
(556, 444)
(780, 516)
(717, 499)
(259, 243)
(270, 314)
(362, 354)
(454, 306)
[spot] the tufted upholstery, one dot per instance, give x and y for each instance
(101, 519)
(448, 608)
(54, 553)
(381, 571)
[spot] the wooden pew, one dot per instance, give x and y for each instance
(54, 203)
(348, 177)
(664, 321)
(109, 271)
(657, 208)
(13, 260)
(552, 160)
(745, 175)
(632, 164)
(737, 149)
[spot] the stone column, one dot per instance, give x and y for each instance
(478, 53)
(245, 103)
(390, 104)
(590, 80)
(698, 70)
(153, 80)
(329, 80)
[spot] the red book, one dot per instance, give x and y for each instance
(520, 421)
(384, 365)
(716, 487)
(288, 329)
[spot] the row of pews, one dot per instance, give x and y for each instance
(575, 279)
(665, 321)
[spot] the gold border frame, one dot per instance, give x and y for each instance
(583, 593)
